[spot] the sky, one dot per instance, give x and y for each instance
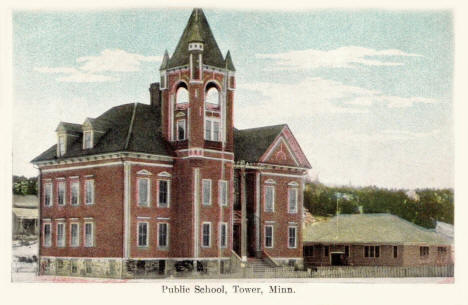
(367, 93)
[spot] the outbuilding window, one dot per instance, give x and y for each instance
(372, 251)
(423, 251)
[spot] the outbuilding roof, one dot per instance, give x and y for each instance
(371, 229)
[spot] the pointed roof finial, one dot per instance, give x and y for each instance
(165, 61)
(228, 62)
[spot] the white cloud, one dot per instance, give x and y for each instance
(383, 136)
(344, 57)
(108, 61)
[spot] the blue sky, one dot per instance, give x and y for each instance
(367, 93)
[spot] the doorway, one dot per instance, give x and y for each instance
(338, 259)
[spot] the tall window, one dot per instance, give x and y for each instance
(212, 96)
(222, 193)
(48, 194)
(181, 129)
(423, 251)
(206, 183)
(74, 234)
(269, 198)
(292, 200)
(182, 96)
(223, 235)
(206, 235)
(163, 193)
(212, 132)
(163, 229)
(89, 234)
(143, 192)
(61, 145)
(89, 189)
(395, 251)
(75, 193)
(60, 235)
(326, 250)
(88, 139)
(372, 251)
(268, 236)
(47, 235)
(61, 193)
(292, 237)
(142, 234)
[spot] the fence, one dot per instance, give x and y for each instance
(381, 271)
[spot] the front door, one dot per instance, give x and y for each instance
(338, 259)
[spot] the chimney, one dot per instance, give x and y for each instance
(155, 95)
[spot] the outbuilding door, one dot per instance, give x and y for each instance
(338, 259)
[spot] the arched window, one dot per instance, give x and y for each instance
(182, 95)
(212, 96)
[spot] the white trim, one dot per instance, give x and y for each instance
(163, 218)
(272, 236)
(257, 210)
(207, 150)
(60, 179)
(164, 174)
(202, 234)
(144, 172)
(208, 158)
(196, 212)
(280, 139)
(53, 170)
(203, 192)
(270, 181)
(138, 234)
(137, 258)
(270, 221)
(146, 204)
(166, 247)
(89, 176)
(293, 183)
(282, 175)
(168, 196)
(295, 237)
(150, 164)
(126, 211)
(143, 217)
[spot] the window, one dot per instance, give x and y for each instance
(61, 145)
(143, 191)
(60, 235)
(47, 235)
(88, 139)
(292, 237)
(48, 194)
(223, 235)
(423, 251)
(182, 96)
(269, 198)
(212, 132)
(395, 251)
(326, 250)
(308, 251)
(442, 250)
(75, 193)
(292, 200)
(142, 234)
(163, 229)
(89, 234)
(212, 96)
(74, 235)
(372, 251)
(89, 186)
(181, 130)
(163, 193)
(206, 183)
(61, 193)
(346, 251)
(206, 237)
(268, 236)
(222, 193)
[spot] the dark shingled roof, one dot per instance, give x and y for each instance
(251, 144)
(197, 26)
(144, 135)
(71, 127)
(228, 61)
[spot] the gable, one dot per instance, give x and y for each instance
(280, 153)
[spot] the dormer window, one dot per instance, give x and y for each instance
(88, 139)
(61, 146)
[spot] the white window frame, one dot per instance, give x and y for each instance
(90, 134)
(61, 243)
(138, 234)
(293, 211)
(204, 181)
(211, 134)
(223, 200)
(93, 238)
(168, 198)
(225, 225)
(167, 236)
(148, 192)
(373, 247)
(47, 242)
(61, 145)
(272, 236)
(295, 237)
(61, 186)
(184, 121)
(273, 195)
(91, 181)
(72, 183)
(203, 235)
(49, 192)
(77, 234)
